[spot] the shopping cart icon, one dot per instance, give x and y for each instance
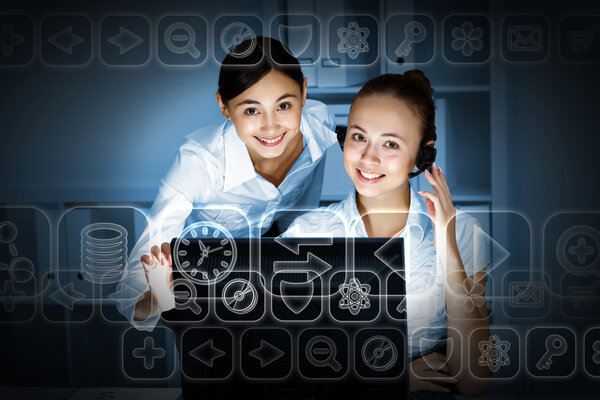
(584, 295)
(581, 39)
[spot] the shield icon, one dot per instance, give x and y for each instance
(296, 295)
(426, 343)
(297, 38)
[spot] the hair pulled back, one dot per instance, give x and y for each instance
(250, 60)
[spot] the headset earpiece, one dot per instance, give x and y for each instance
(425, 159)
(341, 135)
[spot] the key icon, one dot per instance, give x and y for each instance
(414, 32)
(556, 345)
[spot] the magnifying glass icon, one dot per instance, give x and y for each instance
(185, 299)
(181, 43)
(321, 356)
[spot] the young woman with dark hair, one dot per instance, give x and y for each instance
(390, 138)
(268, 154)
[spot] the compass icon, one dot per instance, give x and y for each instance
(205, 252)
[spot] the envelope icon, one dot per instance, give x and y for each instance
(524, 38)
(526, 294)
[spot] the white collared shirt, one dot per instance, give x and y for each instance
(425, 296)
(213, 179)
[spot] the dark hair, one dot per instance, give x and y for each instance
(414, 88)
(250, 60)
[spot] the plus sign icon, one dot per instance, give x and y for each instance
(577, 249)
(572, 245)
(16, 40)
(148, 355)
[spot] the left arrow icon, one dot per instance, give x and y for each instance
(66, 40)
(67, 296)
(207, 353)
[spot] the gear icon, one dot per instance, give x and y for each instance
(355, 296)
(353, 40)
(494, 353)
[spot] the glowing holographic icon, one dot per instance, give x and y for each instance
(234, 34)
(180, 38)
(494, 353)
(240, 296)
(596, 348)
(355, 296)
(103, 252)
(379, 353)
(467, 38)
(414, 32)
(149, 352)
(353, 40)
(556, 345)
(197, 261)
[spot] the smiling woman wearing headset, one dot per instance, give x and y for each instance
(391, 132)
(269, 153)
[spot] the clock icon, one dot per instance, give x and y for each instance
(205, 252)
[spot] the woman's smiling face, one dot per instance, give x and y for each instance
(382, 143)
(267, 115)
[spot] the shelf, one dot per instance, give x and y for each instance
(353, 90)
(333, 90)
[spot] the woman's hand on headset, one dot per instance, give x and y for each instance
(439, 205)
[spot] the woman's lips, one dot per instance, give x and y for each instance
(369, 177)
(270, 142)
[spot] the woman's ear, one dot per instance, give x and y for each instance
(304, 86)
(222, 106)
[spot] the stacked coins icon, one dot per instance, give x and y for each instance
(103, 252)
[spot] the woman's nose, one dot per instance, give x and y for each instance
(270, 124)
(370, 155)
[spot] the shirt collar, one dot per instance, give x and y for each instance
(238, 164)
(315, 148)
(418, 218)
(417, 221)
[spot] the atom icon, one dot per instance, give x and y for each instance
(355, 296)
(353, 40)
(494, 353)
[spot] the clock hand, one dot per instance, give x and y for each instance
(209, 250)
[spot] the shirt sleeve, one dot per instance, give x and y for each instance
(165, 221)
(187, 181)
(474, 245)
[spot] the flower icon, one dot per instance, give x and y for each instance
(467, 39)
(469, 294)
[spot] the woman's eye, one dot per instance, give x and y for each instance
(391, 145)
(251, 111)
(284, 106)
(358, 137)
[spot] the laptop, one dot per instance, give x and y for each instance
(289, 317)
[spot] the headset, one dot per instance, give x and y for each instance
(425, 158)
